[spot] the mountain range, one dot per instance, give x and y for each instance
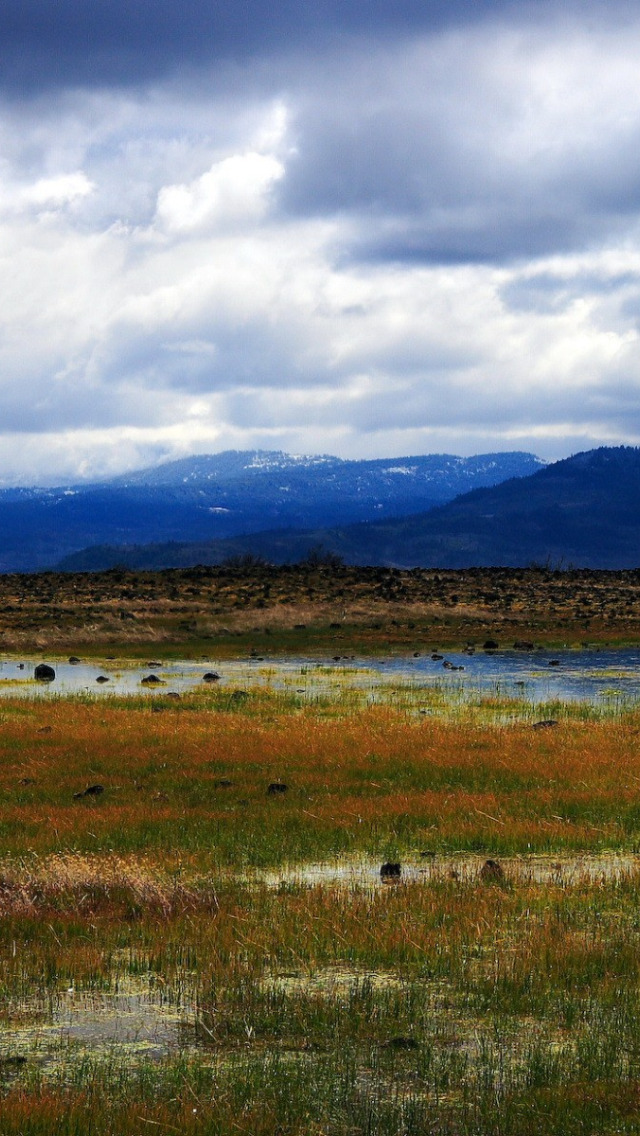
(237, 493)
(583, 511)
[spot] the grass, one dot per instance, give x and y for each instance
(288, 1002)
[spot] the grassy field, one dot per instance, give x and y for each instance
(195, 936)
(305, 608)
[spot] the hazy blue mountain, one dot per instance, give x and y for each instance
(583, 511)
(224, 495)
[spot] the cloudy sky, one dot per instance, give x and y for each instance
(360, 227)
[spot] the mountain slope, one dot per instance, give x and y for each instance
(583, 511)
(224, 495)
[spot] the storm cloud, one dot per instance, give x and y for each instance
(365, 229)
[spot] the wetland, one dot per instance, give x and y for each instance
(196, 931)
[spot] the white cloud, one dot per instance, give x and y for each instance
(233, 192)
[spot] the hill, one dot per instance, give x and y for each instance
(213, 497)
(583, 511)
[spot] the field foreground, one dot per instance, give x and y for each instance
(195, 935)
(191, 947)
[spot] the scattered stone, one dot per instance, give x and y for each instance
(400, 1043)
(490, 645)
(44, 673)
(276, 788)
(436, 657)
(74, 660)
(20, 666)
(390, 871)
(26, 781)
(416, 654)
(102, 678)
(151, 680)
(545, 724)
(90, 791)
(523, 645)
(554, 662)
(154, 664)
(173, 694)
(211, 676)
(491, 872)
(222, 783)
(12, 1061)
(448, 666)
(427, 854)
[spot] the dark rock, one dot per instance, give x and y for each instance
(102, 678)
(276, 788)
(491, 872)
(523, 645)
(554, 662)
(154, 664)
(427, 854)
(400, 1043)
(211, 676)
(437, 658)
(416, 654)
(239, 697)
(151, 680)
(448, 666)
(545, 724)
(74, 660)
(90, 791)
(173, 694)
(390, 871)
(26, 781)
(490, 645)
(222, 783)
(44, 673)
(12, 1061)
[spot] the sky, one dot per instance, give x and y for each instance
(370, 229)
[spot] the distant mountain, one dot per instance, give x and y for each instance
(583, 511)
(225, 495)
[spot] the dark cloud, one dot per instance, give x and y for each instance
(95, 42)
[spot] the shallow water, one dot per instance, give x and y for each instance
(562, 870)
(134, 1019)
(599, 677)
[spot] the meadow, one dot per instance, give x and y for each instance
(195, 935)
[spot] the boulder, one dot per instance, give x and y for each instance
(44, 673)
(491, 872)
(390, 871)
